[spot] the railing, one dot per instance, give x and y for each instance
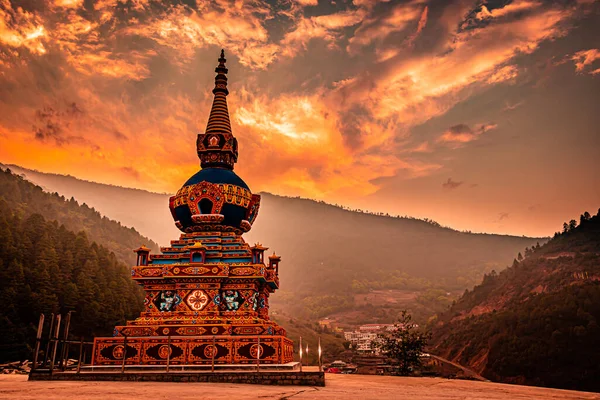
(53, 359)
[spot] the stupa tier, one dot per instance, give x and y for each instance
(207, 294)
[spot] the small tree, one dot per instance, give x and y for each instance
(584, 217)
(404, 344)
(572, 225)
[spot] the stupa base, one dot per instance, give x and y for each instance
(196, 350)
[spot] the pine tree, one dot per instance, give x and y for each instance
(45, 268)
(404, 345)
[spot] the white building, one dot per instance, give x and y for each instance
(364, 338)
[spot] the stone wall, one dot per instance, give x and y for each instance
(260, 378)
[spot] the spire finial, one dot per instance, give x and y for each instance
(216, 146)
(221, 78)
(222, 60)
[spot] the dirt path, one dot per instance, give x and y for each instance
(468, 372)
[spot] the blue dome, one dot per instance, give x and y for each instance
(216, 175)
(233, 213)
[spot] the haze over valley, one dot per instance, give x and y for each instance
(332, 257)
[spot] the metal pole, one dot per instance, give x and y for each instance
(38, 339)
(55, 341)
(49, 339)
(80, 353)
(300, 353)
(307, 359)
(65, 346)
(168, 352)
(212, 354)
(124, 354)
(320, 360)
(258, 354)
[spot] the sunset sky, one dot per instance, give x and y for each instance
(482, 115)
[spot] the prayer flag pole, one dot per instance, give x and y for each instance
(300, 353)
(320, 352)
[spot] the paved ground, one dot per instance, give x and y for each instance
(338, 387)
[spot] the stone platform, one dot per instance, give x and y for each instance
(284, 378)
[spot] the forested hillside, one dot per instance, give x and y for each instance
(46, 268)
(536, 322)
(26, 199)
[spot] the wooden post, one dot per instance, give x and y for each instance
(65, 346)
(168, 352)
(212, 354)
(80, 354)
(55, 341)
(300, 353)
(49, 339)
(124, 354)
(38, 339)
(258, 354)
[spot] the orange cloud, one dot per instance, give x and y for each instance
(305, 3)
(325, 27)
(19, 28)
(460, 134)
(235, 25)
(425, 86)
(128, 69)
(502, 74)
(585, 58)
(297, 138)
(378, 28)
(508, 9)
(68, 3)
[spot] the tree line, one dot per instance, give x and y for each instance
(47, 268)
(26, 199)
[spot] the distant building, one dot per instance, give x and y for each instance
(376, 327)
(329, 324)
(325, 323)
(363, 339)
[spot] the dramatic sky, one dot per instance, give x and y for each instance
(482, 115)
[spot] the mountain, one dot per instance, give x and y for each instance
(27, 199)
(334, 260)
(536, 322)
(47, 268)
